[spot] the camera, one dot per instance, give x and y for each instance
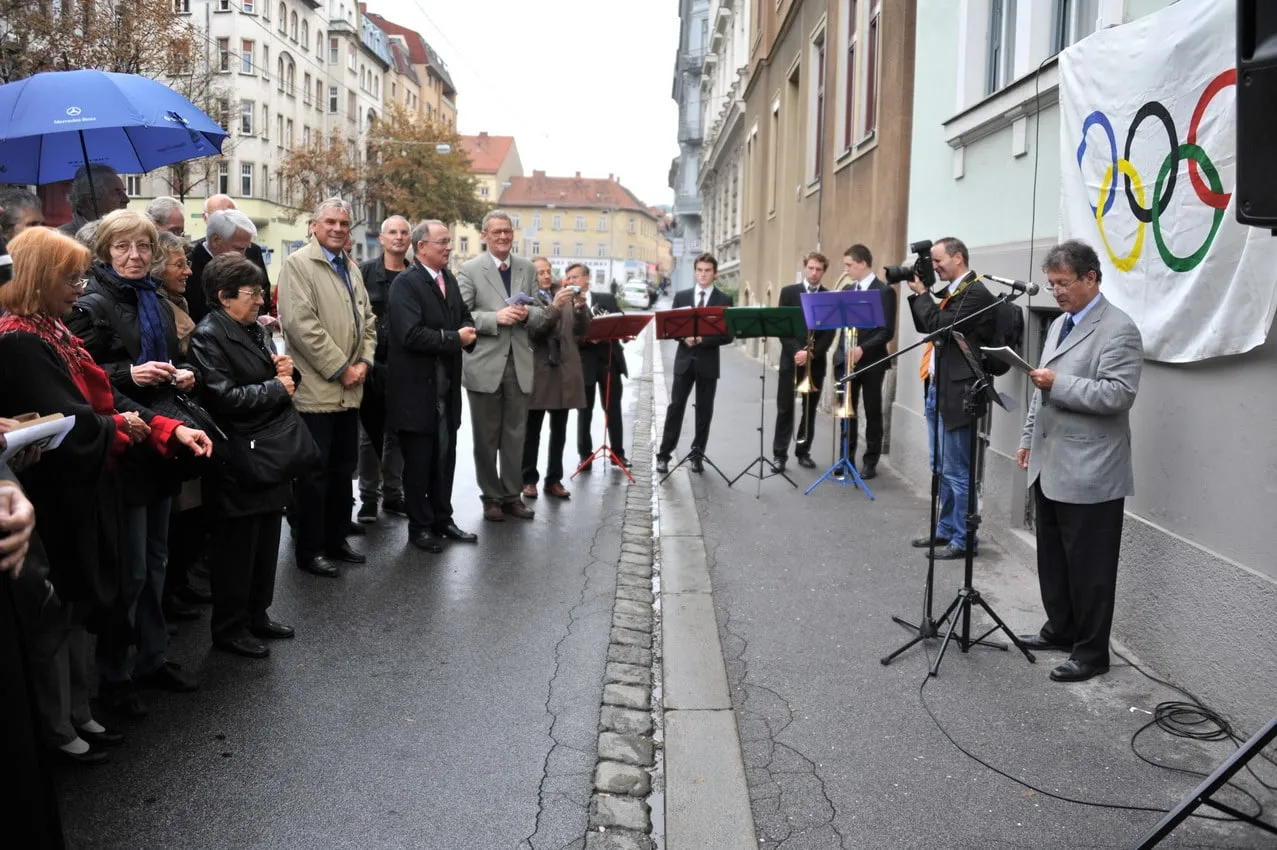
(922, 267)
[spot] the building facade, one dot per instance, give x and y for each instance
(494, 162)
(437, 96)
(689, 62)
(1197, 583)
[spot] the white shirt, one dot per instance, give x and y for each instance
(497, 263)
(1081, 314)
(696, 296)
(808, 286)
(434, 275)
(862, 285)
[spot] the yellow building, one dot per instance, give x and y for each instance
(494, 162)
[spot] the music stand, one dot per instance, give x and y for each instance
(613, 329)
(688, 322)
(755, 323)
(835, 311)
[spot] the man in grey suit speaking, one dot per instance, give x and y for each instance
(498, 375)
(1076, 446)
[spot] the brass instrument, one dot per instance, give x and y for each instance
(844, 408)
(805, 386)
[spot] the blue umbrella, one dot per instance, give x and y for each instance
(53, 123)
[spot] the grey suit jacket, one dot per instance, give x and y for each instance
(484, 294)
(1079, 431)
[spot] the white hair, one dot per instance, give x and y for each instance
(496, 214)
(224, 223)
(219, 197)
(331, 204)
(390, 219)
(162, 208)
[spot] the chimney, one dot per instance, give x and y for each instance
(609, 175)
(538, 175)
(483, 134)
(578, 175)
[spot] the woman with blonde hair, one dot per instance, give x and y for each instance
(171, 269)
(45, 369)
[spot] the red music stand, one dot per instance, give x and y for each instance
(688, 322)
(612, 328)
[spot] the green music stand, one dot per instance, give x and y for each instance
(756, 323)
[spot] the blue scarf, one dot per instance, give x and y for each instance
(154, 340)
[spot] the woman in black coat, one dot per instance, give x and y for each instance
(247, 388)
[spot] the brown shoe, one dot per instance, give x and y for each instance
(530, 491)
(557, 490)
(518, 509)
(492, 511)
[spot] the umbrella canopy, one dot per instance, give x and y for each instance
(52, 123)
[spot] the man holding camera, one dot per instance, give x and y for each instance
(947, 380)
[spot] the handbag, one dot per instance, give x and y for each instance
(272, 454)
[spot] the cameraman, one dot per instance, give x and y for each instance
(947, 380)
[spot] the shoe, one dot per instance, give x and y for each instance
(367, 513)
(698, 466)
(492, 511)
(867, 472)
(530, 491)
(272, 630)
(662, 466)
(585, 464)
(168, 677)
(1077, 671)
(91, 757)
(928, 542)
(621, 460)
(105, 738)
(951, 553)
(398, 507)
(1036, 641)
(319, 566)
(779, 463)
(839, 476)
(123, 700)
(347, 555)
(249, 647)
(356, 530)
(174, 610)
(557, 490)
(517, 509)
(451, 532)
(194, 596)
(425, 543)
(806, 462)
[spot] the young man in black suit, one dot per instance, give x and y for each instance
(594, 365)
(695, 365)
(871, 346)
(793, 362)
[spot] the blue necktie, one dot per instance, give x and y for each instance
(1065, 330)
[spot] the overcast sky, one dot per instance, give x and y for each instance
(582, 85)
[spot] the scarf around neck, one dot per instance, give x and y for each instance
(154, 341)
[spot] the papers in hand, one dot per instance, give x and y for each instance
(46, 432)
(1006, 355)
(520, 299)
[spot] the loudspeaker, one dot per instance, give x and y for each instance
(1256, 97)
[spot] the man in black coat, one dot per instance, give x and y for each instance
(695, 365)
(871, 346)
(595, 366)
(227, 229)
(430, 327)
(794, 363)
(948, 380)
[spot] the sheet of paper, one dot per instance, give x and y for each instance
(520, 299)
(1007, 356)
(46, 432)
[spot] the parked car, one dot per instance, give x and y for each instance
(636, 294)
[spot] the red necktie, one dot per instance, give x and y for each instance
(443, 287)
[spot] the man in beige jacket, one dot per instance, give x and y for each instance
(331, 333)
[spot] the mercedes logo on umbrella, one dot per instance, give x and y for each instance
(73, 110)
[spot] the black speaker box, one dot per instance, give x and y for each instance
(1257, 113)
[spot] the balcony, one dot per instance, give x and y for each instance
(687, 203)
(691, 60)
(691, 129)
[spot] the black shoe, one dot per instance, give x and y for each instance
(927, 542)
(451, 532)
(249, 647)
(272, 630)
(319, 566)
(1036, 641)
(367, 513)
(426, 543)
(168, 677)
(662, 466)
(356, 530)
(91, 757)
(346, 555)
(621, 460)
(951, 553)
(398, 507)
(105, 738)
(123, 700)
(1077, 671)
(174, 610)
(194, 596)
(586, 463)
(868, 472)
(779, 463)
(698, 466)
(806, 462)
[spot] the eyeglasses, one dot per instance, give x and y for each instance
(1059, 287)
(505, 232)
(77, 281)
(126, 248)
(253, 294)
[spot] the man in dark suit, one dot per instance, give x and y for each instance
(948, 380)
(871, 346)
(203, 250)
(430, 326)
(795, 363)
(1086, 386)
(695, 365)
(594, 365)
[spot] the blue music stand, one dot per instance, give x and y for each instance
(836, 311)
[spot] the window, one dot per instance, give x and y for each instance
(223, 5)
(265, 66)
(319, 43)
(290, 78)
(332, 100)
(279, 73)
(265, 180)
(288, 134)
(536, 224)
(602, 249)
(182, 7)
(305, 40)
(871, 69)
(319, 95)
(352, 106)
(279, 129)
(292, 25)
(629, 251)
(306, 135)
(246, 180)
(602, 224)
(334, 51)
(246, 118)
(246, 57)
(224, 113)
(223, 179)
(223, 54)
(599, 277)
(283, 18)
(133, 185)
(773, 146)
(630, 228)
(463, 244)
(580, 250)
(1000, 62)
(350, 57)
(483, 191)
(580, 222)
(265, 121)
(556, 223)
(248, 7)
(816, 120)
(1074, 21)
(536, 247)
(554, 250)
(514, 221)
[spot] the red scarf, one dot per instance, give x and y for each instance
(92, 381)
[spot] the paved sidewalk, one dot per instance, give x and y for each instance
(840, 751)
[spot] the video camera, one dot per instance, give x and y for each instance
(922, 267)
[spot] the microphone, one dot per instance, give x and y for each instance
(1017, 285)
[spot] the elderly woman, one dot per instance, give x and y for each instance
(132, 335)
(249, 390)
(171, 269)
(75, 490)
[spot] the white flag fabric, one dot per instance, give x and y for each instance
(1148, 166)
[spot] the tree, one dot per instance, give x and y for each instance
(322, 168)
(408, 175)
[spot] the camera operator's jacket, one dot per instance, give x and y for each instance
(952, 373)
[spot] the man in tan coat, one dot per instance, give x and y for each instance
(331, 333)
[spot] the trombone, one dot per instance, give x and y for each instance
(844, 409)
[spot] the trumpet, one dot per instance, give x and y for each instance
(805, 386)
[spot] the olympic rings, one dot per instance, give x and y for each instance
(1209, 191)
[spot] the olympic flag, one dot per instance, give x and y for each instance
(1148, 166)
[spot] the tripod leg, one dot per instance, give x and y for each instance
(1003, 626)
(962, 603)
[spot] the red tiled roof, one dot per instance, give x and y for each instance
(487, 153)
(589, 192)
(419, 51)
